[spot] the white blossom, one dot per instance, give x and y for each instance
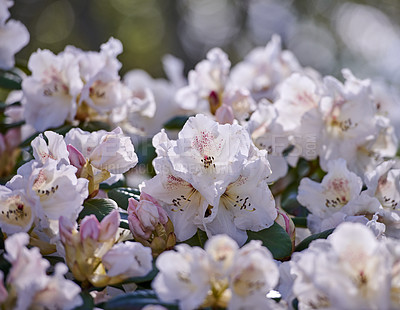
(335, 198)
(51, 91)
(29, 280)
(13, 36)
(18, 211)
(247, 204)
(58, 189)
(349, 270)
(254, 274)
(184, 276)
(264, 68)
(55, 148)
(111, 151)
(207, 153)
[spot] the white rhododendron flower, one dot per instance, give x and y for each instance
(184, 276)
(50, 92)
(212, 178)
(209, 89)
(344, 121)
(336, 199)
(111, 151)
(184, 204)
(207, 153)
(58, 189)
(350, 270)
(264, 68)
(102, 88)
(268, 135)
(29, 283)
(297, 94)
(384, 184)
(55, 148)
(254, 274)
(206, 83)
(13, 36)
(247, 204)
(222, 275)
(18, 210)
(221, 251)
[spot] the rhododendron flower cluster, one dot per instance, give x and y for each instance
(259, 184)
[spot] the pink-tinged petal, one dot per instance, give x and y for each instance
(90, 228)
(109, 226)
(133, 204)
(224, 114)
(144, 196)
(76, 158)
(66, 229)
(136, 227)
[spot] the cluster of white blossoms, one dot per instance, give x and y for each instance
(63, 173)
(256, 157)
(349, 270)
(221, 275)
(28, 286)
(212, 178)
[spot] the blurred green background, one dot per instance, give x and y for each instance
(324, 34)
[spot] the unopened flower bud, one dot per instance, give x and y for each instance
(150, 224)
(90, 228)
(287, 224)
(109, 226)
(76, 158)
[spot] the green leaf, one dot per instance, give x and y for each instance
(176, 122)
(88, 302)
(94, 126)
(4, 105)
(146, 153)
(54, 259)
(108, 187)
(5, 265)
(300, 221)
(136, 301)
(306, 242)
(122, 194)
(10, 80)
(5, 127)
(199, 239)
(98, 207)
(275, 238)
(289, 201)
(123, 223)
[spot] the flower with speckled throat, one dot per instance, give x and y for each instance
(209, 155)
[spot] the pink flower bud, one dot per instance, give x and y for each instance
(145, 215)
(224, 114)
(109, 226)
(162, 214)
(286, 223)
(66, 229)
(76, 158)
(136, 227)
(90, 228)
